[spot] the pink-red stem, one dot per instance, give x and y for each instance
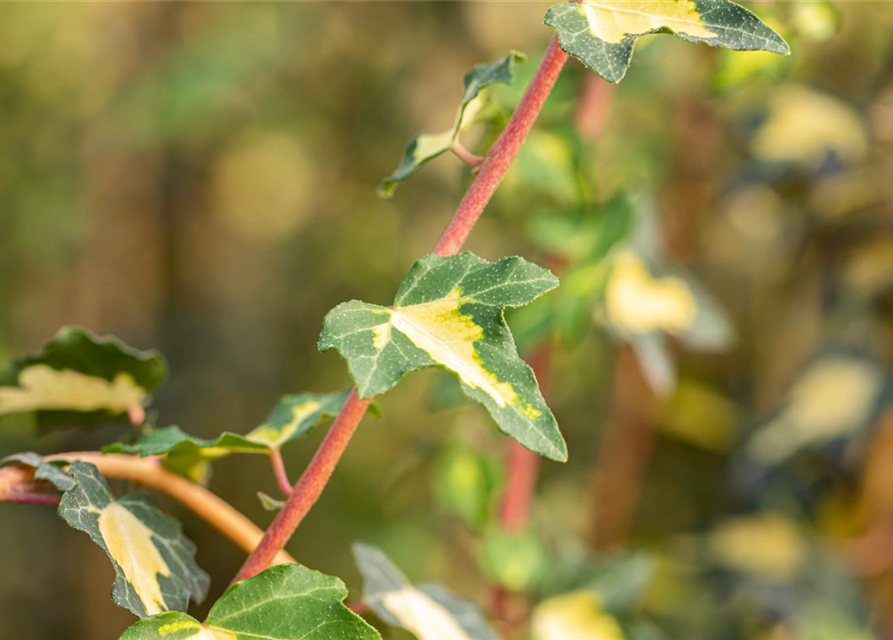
(312, 482)
(280, 472)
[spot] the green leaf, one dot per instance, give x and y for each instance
(472, 110)
(602, 33)
(268, 502)
(430, 612)
(154, 565)
(80, 379)
(49, 471)
(467, 484)
(517, 560)
(293, 418)
(286, 602)
(448, 312)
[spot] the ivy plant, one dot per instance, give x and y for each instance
(452, 311)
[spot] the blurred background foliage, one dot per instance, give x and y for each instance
(201, 178)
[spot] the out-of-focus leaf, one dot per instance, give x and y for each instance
(817, 21)
(472, 109)
(430, 612)
(154, 566)
(619, 579)
(448, 312)
(699, 415)
(286, 602)
(517, 560)
(602, 33)
(768, 545)
(466, 484)
(574, 616)
(835, 396)
(50, 471)
(80, 379)
(293, 418)
(803, 127)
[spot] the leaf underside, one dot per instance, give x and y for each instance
(602, 34)
(154, 562)
(448, 313)
(286, 602)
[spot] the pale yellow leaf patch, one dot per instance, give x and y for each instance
(768, 545)
(129, 542)
(275, 438)
(834, 396)
(639, 303)
(422, 616)
(448, 337)
(574, 616)
(43, 388)
(612, 20)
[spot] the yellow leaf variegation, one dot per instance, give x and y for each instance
(574, 616)
(429, 612)
(602, 33)
(153, 561)
(448, 312)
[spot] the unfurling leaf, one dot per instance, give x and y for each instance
(448, 312)
(286, 602)
(428, 146)
(602, 33)
(430, 612)
(293, 418)
(80, 379)
(154, 565)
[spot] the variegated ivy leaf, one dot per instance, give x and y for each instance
(286, 602)
(154, 565)
(293, 418)
(602, 33)
(80, 379)
(448, 312)
(430, 612)
(472, 109)
(49, 471)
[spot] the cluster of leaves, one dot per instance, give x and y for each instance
(449, 312)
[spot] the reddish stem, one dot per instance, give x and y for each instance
(27, 497)
(465, 155)
(311, 484)
(503, 152)
(280, 472)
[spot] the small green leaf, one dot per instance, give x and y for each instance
(517, 560)
(286, 602)
(472, 110)
(293, 418)
(466, 483)
(154, 565)
(448, 312)
(602, 33)
(430, 612)
(49, 471)
(80, 379)
(269, 503)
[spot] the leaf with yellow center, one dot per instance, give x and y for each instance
(153, 561)
(602, 33)
(429, 612)
(637, 302)
(80, 379)
(448, 313)
(286, 602)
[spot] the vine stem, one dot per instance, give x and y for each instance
(279, 471)
(490, 173)
(148, 472)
